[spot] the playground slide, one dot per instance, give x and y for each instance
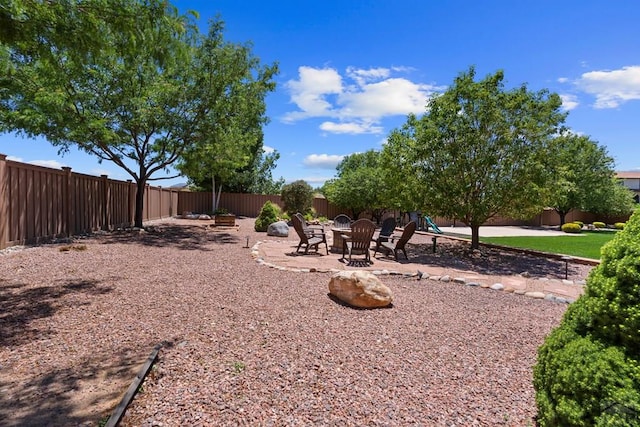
(432, 224)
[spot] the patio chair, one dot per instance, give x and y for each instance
(399, 245)
(309, 237)
(386, 231)
(359, 239)
(342, 221)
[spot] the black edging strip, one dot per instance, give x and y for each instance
(118, 413)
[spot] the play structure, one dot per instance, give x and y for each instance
(432, 224)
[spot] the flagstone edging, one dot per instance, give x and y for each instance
(255, 253)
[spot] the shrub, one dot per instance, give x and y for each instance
(580, 223)
(588, 369)
(297, 197)
(268, 215)
(619, 225)
(598, 224)
(571, 227)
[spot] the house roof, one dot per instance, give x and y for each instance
(628, 174)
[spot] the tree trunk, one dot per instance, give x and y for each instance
(137, 217)
(563, 218)
(475, 236)
(215, 196)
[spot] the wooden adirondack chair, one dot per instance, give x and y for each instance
(398, 245)
(359, 239)
(309, 237)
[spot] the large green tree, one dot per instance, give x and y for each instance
(232, 76)
(585, 179)
(137, 91)
(480, 150)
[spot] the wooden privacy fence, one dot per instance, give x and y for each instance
(245, 204)
(39, 203)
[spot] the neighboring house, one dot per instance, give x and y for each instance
(631, 180)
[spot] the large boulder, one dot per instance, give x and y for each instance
(278, 229)
(360, 289)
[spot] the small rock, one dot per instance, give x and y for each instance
(535, 295)
(445, 278)
(497, 286)
(278, 229)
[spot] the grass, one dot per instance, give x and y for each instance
(586, 245)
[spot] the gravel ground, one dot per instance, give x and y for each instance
(248, 345)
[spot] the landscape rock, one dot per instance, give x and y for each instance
(278, 229)
(360, 289)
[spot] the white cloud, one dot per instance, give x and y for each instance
(268, 150)
(350, 128)
(47, 163)
(324, 161)
(563, 80)
(612, 88)
(310, 91)
(569, 102)
(15, 159)
(317, 181)
(357, 101)
(100, 172)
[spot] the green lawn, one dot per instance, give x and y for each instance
(586, 245)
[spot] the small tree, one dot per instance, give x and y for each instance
(588, 369)
(585, 179)
(268, 215)
(359, 186)
(297, 197)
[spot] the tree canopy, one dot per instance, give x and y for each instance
(359, 185)
(479, 150)
(141, 88)
(585, 179)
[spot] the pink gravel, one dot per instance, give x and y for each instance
(244, 344)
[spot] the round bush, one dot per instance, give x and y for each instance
(571, 227)
(268, 215)
(599, 224)
(619, 225)
(297, 197)
(588, 369)
(580, 223)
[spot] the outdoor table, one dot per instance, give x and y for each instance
(336, 245)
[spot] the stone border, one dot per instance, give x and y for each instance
(419, 276)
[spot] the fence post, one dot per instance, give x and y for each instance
(4, 203)
(69, 218)
(132, 201)
(106, 198)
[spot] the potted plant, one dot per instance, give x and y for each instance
(223, 217)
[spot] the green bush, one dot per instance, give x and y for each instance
(297, 197)
(598, 224)
(268, 215)
(619, 225)
(571, 227)
(580, 223)
(588, 369)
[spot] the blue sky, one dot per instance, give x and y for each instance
(351, 70)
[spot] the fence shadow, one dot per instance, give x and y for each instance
(47, 399)
(183, 237)
(21, 305)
